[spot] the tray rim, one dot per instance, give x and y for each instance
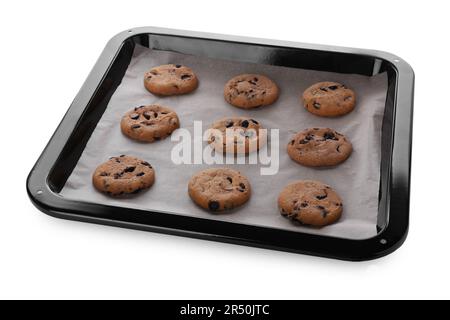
(395, 230)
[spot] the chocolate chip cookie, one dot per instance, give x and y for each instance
(329, 99)
(319, 147)
(310, 203)
(237, 135)
(123, 175)
(250, 91)
(219, 189)
(170, 79)
(149, 123)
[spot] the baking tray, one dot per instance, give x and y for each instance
(60, 157)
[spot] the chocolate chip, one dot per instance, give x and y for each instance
(306, 139)
(321, 197)
(104, 174)
(135, 126)
(316, 105)
(122, 155)
(212, 139)
(229, 123)
(337, 149)
(255, 79)
(145, 163)
(332, 87)
(324, 89)
(137, 108)
(134, 116)
(129, 169)
(140, 174)
(242, 185)
(155, 114)
(213, 205)
(304, 204)
(320, 207)
(185, 76)
(254, 121)
(244, 124)
(292, 142)
(230, 180)
(117, 175)
(178, 66)
(329, 136)
(146, 115)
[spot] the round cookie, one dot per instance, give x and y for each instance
(170, 79)
(319, 147)
(250, 91)
(237, 135)
(219, 189)
(149, 123)
(123, 175)
(310, 203)
(329, 99)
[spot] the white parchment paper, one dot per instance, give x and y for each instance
(356, 180)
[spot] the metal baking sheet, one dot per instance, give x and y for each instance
(356, 180)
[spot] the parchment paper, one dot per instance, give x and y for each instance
(356, 180)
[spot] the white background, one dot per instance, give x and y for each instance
(47, 51)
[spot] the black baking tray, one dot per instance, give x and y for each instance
(61, 155)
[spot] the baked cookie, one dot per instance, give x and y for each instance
(237, 135)
(329, 99)
(170, 79)
(123, 175)
(149, 123)
(219, 189)
(250, 91)
(310, 203)
(319, 147)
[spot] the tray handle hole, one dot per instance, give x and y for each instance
(39, 192)
(383, 241)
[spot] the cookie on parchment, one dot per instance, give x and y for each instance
(250, 91)
(329, 99)
(237, 135)
(123, 175)
(219, 189)
(310, 203)
(149, 123)
(170, 79)
(319, 147)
